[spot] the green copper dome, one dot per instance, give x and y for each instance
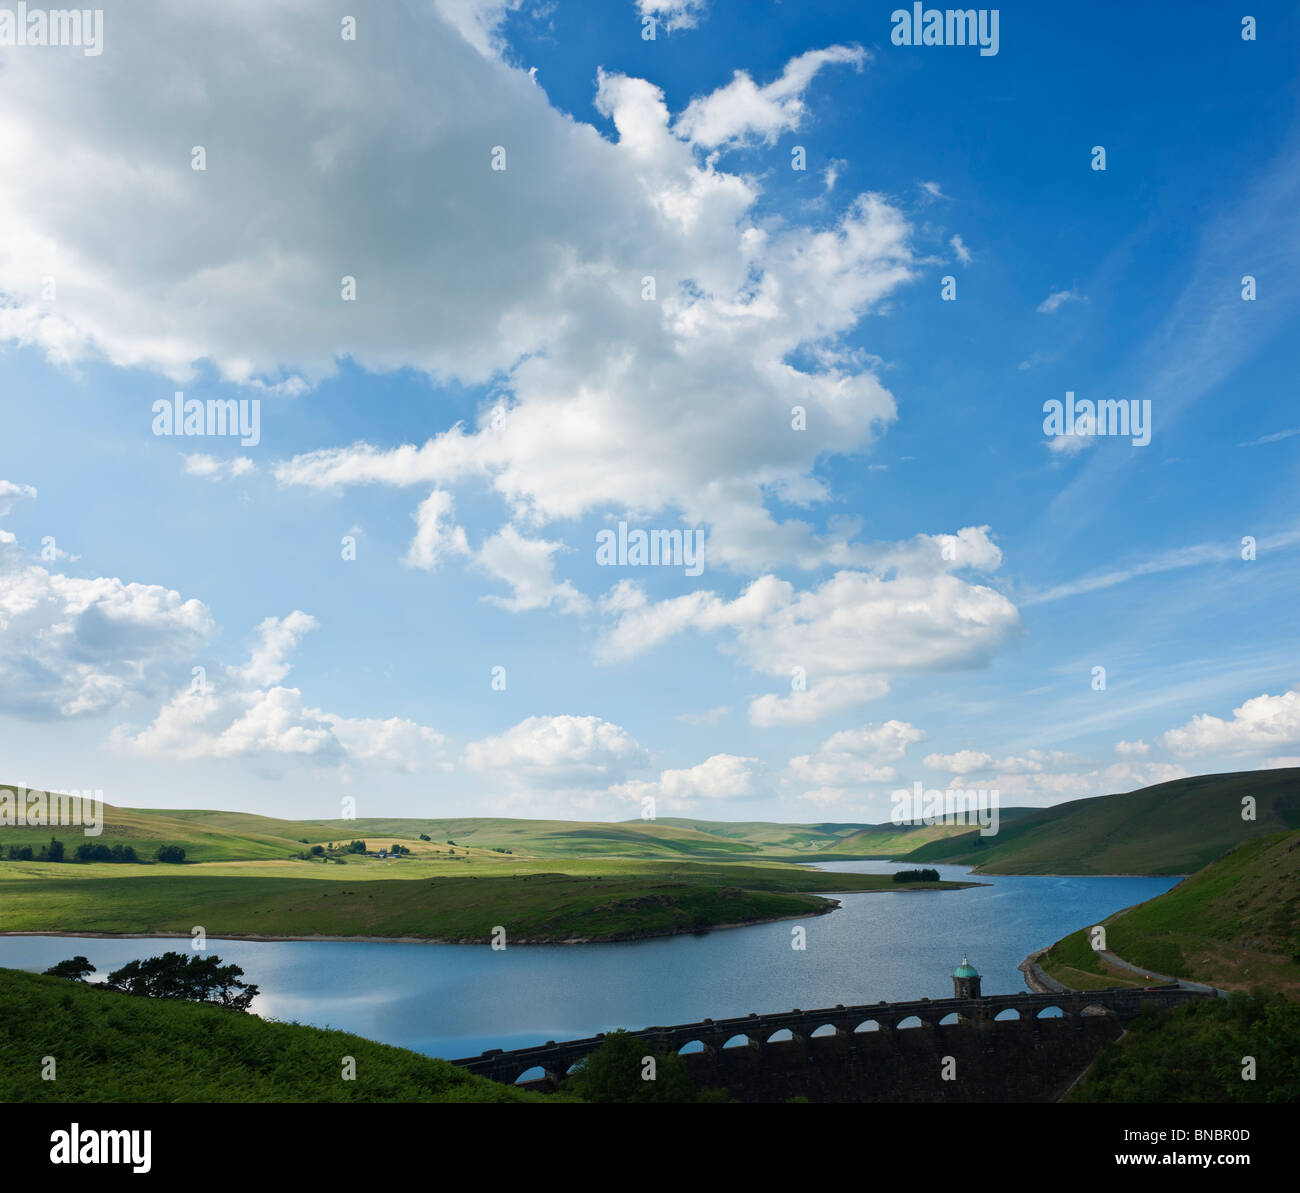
(965, 970)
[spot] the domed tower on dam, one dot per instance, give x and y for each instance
(965, 980)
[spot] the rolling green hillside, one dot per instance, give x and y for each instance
(1172, 828)
(1234, 924)
(212, 836)
(209, 836)
(897, 840)
(123, 1048)
(562, 838)
(206, 836)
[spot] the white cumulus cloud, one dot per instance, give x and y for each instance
(1262, 724)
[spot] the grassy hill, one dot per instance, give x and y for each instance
(210, 836)
(242, 836)
(898, 840)
(206, 836)
(1234, 924)
(564, 838)
(1172, 828)
(672, 837)
(122, 1048)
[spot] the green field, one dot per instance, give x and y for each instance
(1234, 924)
(112, 1047)
(307, 900)
(249, 881)
(1172, 828)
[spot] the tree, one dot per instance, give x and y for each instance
(193, 978)
(615, 1072)
(170, 853)
(53, 852)
(76, 968)
(356, 847)
(95, 851)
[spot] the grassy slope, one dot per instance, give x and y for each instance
(1073, 961)
(119, 1048)
(1235, 925)
(896, 840)
(559, 838)
(1172, 828)
(228, 836)
(206, 836)
(666, 837)
(429, 896)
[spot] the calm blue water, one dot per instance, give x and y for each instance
(457, 1000)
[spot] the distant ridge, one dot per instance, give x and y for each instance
(1172, 828)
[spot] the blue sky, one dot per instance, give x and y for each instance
(916, 586)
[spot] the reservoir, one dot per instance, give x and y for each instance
(458, 1000)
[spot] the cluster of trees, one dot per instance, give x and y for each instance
(173, 975)
(91, 851)
(53, 852)
(330, 852)
(620, 1071)
(917, 876)
(94, 851)
(1236, 1049)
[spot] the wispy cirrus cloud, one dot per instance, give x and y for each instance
(1195, 555)
(1058, 298)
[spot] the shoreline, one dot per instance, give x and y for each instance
(272, 937)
